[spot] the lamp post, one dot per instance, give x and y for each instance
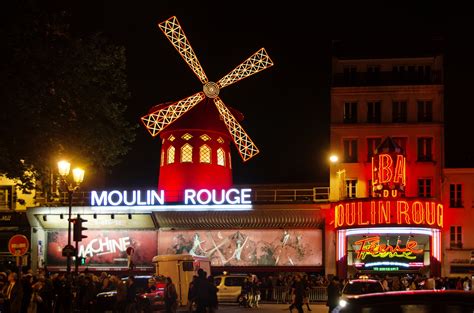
(70, 186)
(341, 173)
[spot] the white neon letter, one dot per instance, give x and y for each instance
(160, 198)
(99, 201)
(199, 196)
(189, 195)
(244, 194)
(235, 200)
(110, 197)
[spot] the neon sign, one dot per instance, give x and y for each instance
(231, 196)
(388, 175)
(388, 212)
(372, 246)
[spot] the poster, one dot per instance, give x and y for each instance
(247, 247)
(106, 248)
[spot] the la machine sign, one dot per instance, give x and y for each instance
(202, 197)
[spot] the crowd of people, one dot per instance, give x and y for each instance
(43, 292)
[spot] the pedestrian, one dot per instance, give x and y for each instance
(333, 292)
(131, 295)
(203, 292)
(170, 296)
(121, 298)
(297, 294)
(192, 294)
(13, 294)
(213, 302)
(306, 286)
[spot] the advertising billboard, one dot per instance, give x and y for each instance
(246, 247)
(106, 248)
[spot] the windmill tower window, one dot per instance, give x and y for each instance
(186, 153)
(220, 157)
(205, 137)
(230, 162)
(170, 155)
(205, 154)
(162, 160)
(171, 138)
(187, 136)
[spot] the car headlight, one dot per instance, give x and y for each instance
(342, 303)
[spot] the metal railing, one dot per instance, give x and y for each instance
(283, 295)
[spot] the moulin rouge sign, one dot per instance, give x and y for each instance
(388, 212)
(192, 197)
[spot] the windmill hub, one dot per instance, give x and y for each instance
(211, 89)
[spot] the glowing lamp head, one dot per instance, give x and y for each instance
(78, 175)
(63, 168)
(333, 158)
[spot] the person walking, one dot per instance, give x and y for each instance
(306, 286)
(170, 296)
(192, 294)
(333, 292)
(297, 294)
(13, 294)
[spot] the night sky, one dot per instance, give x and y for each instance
(286, 107)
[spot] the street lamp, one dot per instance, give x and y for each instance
(70, 186)
(341, 174)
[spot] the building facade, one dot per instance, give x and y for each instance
(401, 101)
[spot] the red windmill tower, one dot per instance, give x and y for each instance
(196, 131)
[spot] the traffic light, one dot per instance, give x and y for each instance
(78, 229)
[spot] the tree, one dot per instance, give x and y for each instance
(62, 94)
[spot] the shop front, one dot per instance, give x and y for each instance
(237, 234)
(379, 236)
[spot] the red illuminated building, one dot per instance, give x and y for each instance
(391, 212)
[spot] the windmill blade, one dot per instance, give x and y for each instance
(176, 36)
(247, 149)
(156, 121)
(256, 63)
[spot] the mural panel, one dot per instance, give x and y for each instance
(247, 247)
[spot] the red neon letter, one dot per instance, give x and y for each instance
(384, 211)
(385, 168)
(402, 209)
(399, 175)
(417, 212)
(360, 215)
(350, 214)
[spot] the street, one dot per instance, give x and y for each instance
(265, 308)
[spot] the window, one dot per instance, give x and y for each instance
(455, 236)
(399, 112)
(425, 149)
(162, 159)
(373, 73)
(230, 161)
(205, 137)
(6, 198)
(187, 136)
(186, 153)
(424, 188)
(170, 155)
(425, 111)
(455, 196)
(220, 157)
(350, 112)
(372, 144)
(351, 188)
(402, 142)
(205, 154)
(350, 74)
(373, 112)
(350, 150)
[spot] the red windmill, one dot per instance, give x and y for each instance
(195, 151)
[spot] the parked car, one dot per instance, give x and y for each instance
(362, 286)
(146, 301)
(414, 301)
(229, 287)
